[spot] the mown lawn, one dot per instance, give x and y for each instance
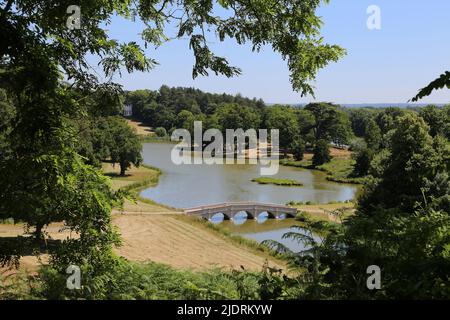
(338, 169)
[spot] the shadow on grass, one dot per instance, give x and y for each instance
(12, 248)
(116, 175)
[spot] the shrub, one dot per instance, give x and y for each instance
(161, 132)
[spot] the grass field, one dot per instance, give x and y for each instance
(146, 133)
(141, 129)
(338, 169)
(181, 243)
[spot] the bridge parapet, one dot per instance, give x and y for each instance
(253, 210)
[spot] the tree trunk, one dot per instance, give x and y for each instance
(38, 233)
(123, 168)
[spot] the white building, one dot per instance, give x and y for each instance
(127, 111)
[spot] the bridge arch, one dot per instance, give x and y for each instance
(241, 217)
(242, 213)
(252, 210)
(268, 214)
(217, 217)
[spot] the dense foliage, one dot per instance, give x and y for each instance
(402, 225)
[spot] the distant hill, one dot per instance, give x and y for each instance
(373, 105)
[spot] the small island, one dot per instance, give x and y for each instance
(278, 182)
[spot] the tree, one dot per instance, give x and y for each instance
(283, 119)
(446, 129)
(7, 112)
(179, 107)
(365, 152)
(387, 117)
(234, 116)
(297, 148)
(125, 146)
(435, 118)
(321, 153)
(341, 133)
(186, 119)
(330, 122)
(402, 223)
(373, 135)
(363, 157)
(306, 122)
(143, 105)
(410, 161)
(359, 118)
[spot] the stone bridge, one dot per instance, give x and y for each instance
(253, 210)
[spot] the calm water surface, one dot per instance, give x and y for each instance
(184, 186)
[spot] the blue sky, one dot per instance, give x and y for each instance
(382, 66)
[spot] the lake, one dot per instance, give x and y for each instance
(185, 186)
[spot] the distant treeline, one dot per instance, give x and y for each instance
(313, 126)
(162, 108)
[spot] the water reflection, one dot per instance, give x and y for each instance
(262, 217)
(262, 228)
(240, 218)
(218, 218)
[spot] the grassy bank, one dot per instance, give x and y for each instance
(323, 212)
(278, 182)
(338, 169)
(136, 180)
(156, 139)
(145, 132)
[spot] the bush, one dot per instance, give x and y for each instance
(126, 280)
(161, 132)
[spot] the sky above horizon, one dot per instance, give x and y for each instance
(381, 66)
